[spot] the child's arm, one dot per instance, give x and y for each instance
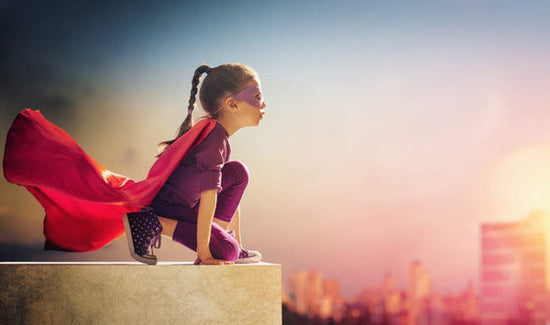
(207, 207)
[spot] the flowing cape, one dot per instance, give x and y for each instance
(84, 202)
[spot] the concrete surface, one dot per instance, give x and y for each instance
(130, 293)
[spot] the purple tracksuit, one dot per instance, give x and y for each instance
(205, 167)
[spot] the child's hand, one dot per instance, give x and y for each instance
(211, 261)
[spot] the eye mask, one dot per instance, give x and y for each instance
(249, 95)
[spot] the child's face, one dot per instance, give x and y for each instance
(251, 104)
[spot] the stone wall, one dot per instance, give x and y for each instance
(131, 293)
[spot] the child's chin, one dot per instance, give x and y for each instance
(255, 123)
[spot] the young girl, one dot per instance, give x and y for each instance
(198, 206)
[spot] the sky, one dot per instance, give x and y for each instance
(392, 130)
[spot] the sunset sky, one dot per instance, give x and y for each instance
(392, 131)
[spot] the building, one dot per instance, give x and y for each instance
(418, 291)
(462, 308)
(313, 296)
(515, 271)
(306, 294)
(333, 303)
(298, 291)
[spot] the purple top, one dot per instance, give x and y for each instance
(199, 171)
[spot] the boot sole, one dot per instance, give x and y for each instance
(142, 259)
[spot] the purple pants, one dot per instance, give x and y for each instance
(223, 246)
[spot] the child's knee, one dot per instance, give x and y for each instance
(237, 170)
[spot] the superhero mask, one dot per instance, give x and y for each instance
(249, 95)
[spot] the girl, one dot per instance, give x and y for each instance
(198, 206)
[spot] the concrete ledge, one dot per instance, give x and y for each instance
(133, 293)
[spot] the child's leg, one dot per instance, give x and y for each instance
(168, 226)
(234, 181)
(222, 245)
(235, 225)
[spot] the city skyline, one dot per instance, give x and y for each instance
(514, 286)
(392, 130)
(315, 297)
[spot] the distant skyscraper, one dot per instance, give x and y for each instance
(392, 296)
(298, 291)
(314, 293)
(515, 271)
(332, 300)
(470, 304)
(418, 291)
(389, 285)
(306, 291)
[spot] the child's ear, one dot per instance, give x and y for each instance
(231, 104)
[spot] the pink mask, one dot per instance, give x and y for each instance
(249, 95)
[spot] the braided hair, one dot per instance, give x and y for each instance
(223, 80)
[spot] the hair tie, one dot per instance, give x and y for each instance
(190, 111)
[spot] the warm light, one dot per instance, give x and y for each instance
(520, 182)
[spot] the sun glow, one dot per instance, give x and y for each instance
(519, 182)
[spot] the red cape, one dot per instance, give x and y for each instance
(84, 202)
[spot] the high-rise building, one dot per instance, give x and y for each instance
(388, 286)
(418, 291)
(306, 292)
(461, 308)
(298, 291)
(515, 271)
(373, 300)
(332, 300)
(470, 304)
(391, 296)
